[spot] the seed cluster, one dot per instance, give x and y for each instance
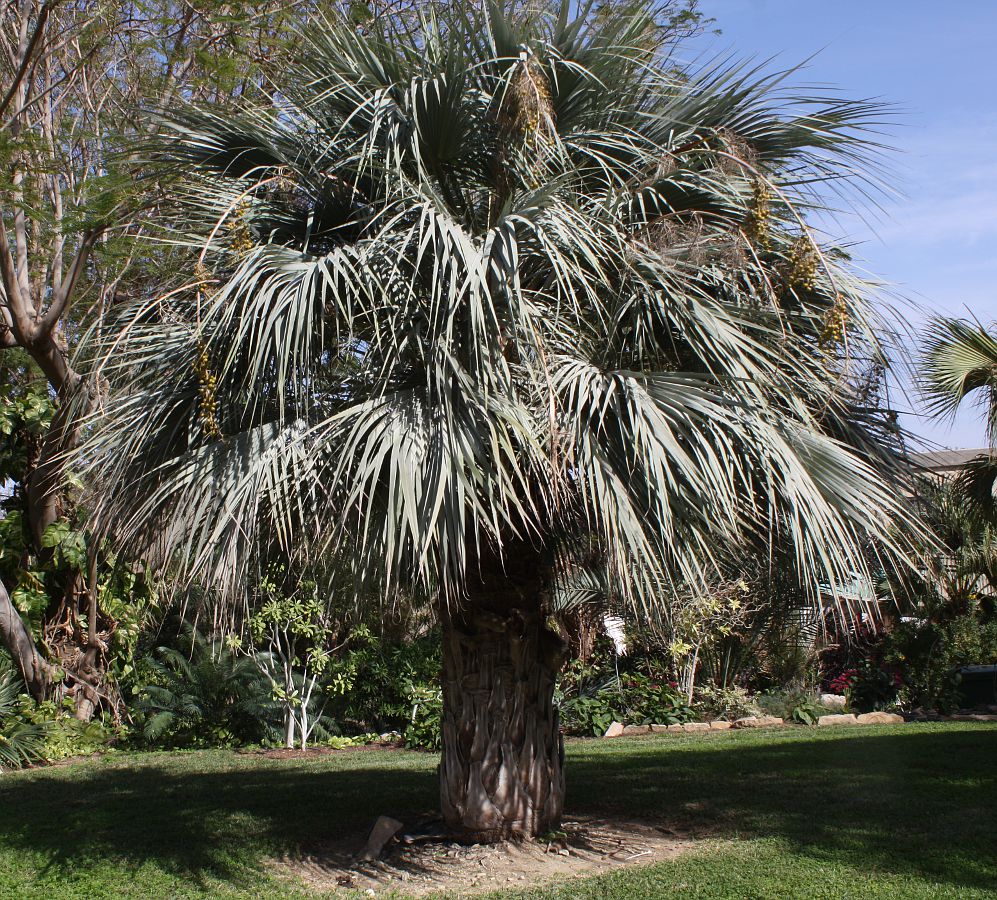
(240, 237)
(835, 323)
(757, 222)
(528, 109)
(207, 391)
(801, 268)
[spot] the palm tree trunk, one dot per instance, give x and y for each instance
(502, 769)
(17, 640)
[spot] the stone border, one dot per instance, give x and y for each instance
(618, 729)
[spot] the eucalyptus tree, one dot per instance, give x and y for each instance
(485, 300)
(74, 78)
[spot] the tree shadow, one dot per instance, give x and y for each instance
(204, 827)
(911, 802)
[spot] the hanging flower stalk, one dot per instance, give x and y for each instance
(207, 391)
(757, 222)
(801, 268)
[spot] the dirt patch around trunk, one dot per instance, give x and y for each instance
(586, 846)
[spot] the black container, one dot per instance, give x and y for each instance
(978, 686)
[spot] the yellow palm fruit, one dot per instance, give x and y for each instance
(802, 265)
(757, 222)
(207, 397)
(835, 324)
(240, 237)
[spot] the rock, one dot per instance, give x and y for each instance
(696, 726)
(658, 729)
(879, 718)
(842, 719)
(719, 725)
(675, 728)
(833, 701)
(385, 828)
(614, 730)
(757, 722)
(973, 717)
(637, 729)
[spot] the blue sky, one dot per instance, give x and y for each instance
(936, 243)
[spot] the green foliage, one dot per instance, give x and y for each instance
(591, 714)
(204, 694)
(22, 742)
(633, 698)
(873, 686)
(929, 654)
(374, 681)
(807, 712)
(26, 409)
(342, 741)
(719, 702)
(424, 730)
(793, 705)
(65, 735)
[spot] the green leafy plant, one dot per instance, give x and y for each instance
(927, 655)
(290, 637)
(204, 694)
(718, 702)
(591, 714)
(22, 741)
(424, 731)
(372, 679)
(806, 712)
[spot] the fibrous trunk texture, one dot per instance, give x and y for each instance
(502, 768)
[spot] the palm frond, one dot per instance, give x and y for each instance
(469, 319)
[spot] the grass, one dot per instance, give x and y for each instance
(908, 811)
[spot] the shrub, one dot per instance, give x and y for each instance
(204, 695)
(798, 706)
(872, 687)
(373, 682)
(424, 731)
(591, 714)
(648, 700)
(22, 742)
(632, 698)
(806, 712)
(717, 702)
(929, 655)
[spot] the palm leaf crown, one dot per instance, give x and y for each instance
(502, 280)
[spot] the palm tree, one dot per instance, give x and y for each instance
(487, 300)
(960, 362)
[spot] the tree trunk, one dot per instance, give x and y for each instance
(289, 728)
(43, 486)
(17, 640)
(502, 769)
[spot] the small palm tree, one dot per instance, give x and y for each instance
(960, 363)
(482, 302)
(205, 691)
(21, 742)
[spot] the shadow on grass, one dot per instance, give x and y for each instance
(203, 818)
(918, 802)
(911, 801)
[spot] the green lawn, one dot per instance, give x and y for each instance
(908, 811)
